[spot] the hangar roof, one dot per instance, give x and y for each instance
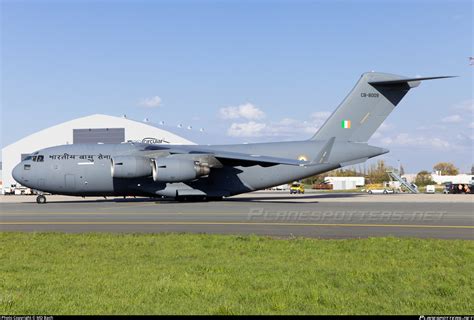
(63, 134)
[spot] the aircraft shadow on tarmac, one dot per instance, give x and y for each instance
(310, 198)
(293, 199)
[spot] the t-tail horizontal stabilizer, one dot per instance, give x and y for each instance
(412, 82)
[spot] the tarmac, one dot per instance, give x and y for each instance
(271, 213)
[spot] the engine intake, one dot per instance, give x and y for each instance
(130, 167)
(171, 169)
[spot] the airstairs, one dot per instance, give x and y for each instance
(393, 174)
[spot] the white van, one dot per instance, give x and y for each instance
(430, 188)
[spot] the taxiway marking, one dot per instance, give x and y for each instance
(233, 224)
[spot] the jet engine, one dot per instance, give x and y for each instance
(130, 167)
(169, 169)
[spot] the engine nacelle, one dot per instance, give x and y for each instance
(131, 167)
(169, 169)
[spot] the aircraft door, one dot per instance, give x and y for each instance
(70, 182)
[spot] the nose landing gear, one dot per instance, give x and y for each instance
(40, 199)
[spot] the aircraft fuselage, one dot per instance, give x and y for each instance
(85, 170)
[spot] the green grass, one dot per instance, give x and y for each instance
(51, 273)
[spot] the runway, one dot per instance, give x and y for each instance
(264, 213)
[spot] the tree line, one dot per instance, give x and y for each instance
(377, 173)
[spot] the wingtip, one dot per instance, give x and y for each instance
(443, 77)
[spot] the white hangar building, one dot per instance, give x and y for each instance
(345, 183)
(97, 128)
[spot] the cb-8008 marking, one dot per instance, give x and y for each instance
(369, 95)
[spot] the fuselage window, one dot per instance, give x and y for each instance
(26, 167)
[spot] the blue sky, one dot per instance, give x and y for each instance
(245, 71)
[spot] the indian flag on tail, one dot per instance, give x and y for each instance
(346, 124)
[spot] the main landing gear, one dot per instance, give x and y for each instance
(41, 199)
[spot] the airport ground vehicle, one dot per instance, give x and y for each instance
(297, 188)
(456, 188)
(280, 187)
(8, 191)
(322, 186)
(430, 189)
(21, 190)
(17, 189)
(380, 191)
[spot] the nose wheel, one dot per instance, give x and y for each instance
(40, 199)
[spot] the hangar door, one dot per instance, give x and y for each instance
(103, 135)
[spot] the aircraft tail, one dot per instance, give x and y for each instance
(365, 108)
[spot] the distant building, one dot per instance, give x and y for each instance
(1, 181)
(440, 179)
(97, 128)
(459, 178)
(345, 183)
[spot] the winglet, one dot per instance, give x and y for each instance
(323, 155)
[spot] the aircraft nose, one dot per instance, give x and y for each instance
(16, 173)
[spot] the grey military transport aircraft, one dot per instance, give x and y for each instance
(206, 172)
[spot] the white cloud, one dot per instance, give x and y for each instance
(320, 115)
(153, 102)
(465, 138)
(289, 127)
(286, 127)
(467, 105)
(246, 111)
(455, 118)
(471, 125)
(384, 128)
(377, 135)
(247, 129)
(410, 140)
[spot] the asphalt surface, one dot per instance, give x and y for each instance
(264, 213)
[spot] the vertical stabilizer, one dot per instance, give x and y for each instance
(365, 108)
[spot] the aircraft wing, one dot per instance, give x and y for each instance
(225, 157)
(245, 159)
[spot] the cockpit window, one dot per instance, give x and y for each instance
(27, 158)
(39, 158)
